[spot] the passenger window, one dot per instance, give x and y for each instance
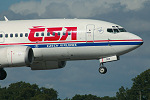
(6, 35)
(69, 33)
(1, 35)
(37, 34)
(58, 33)
(16, 35)
(42, 34)
(48, 34)
(64, 33)
(11, 35)
(53, 33)
(110, 30)
(26, 34)
(21, 34)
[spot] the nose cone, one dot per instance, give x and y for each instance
(136, 39)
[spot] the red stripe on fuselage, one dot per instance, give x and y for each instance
(135, 40)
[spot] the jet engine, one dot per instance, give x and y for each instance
(16, 56)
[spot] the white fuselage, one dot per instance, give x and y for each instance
(68, 39)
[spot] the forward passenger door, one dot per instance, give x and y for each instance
(90, 33)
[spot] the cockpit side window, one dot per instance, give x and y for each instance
(110, 30)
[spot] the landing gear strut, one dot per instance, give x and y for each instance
(3, 74)
(102, 69)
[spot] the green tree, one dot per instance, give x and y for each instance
(141, 86)
(50, 92)
(26, 91)
(122, 94)
(86, 97)
(139, 89)
(42, 97)
(108, 98)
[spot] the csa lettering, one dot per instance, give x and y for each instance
(52, 37)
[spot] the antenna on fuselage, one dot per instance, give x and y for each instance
(6, 19)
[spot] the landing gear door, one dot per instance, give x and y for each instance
(2, 37)
(90, 33)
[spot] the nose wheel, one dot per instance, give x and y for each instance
(102, 69)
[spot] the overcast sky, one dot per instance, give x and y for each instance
(82, 77)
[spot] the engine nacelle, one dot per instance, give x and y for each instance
(47, 65)
(16, 56)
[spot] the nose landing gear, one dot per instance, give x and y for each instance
(102, 68)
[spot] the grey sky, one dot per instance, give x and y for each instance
(82, 77)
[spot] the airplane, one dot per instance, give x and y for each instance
(45, 44)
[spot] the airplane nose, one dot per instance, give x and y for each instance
(136, 38)
(140, 40)
(132, 42)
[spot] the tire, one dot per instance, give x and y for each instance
(102, 70)
(3, 74)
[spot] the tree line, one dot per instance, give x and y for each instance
(140, 90)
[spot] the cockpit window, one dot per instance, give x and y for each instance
(122, 30)
(115, 29)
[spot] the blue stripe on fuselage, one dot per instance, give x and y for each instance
(83, 44)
